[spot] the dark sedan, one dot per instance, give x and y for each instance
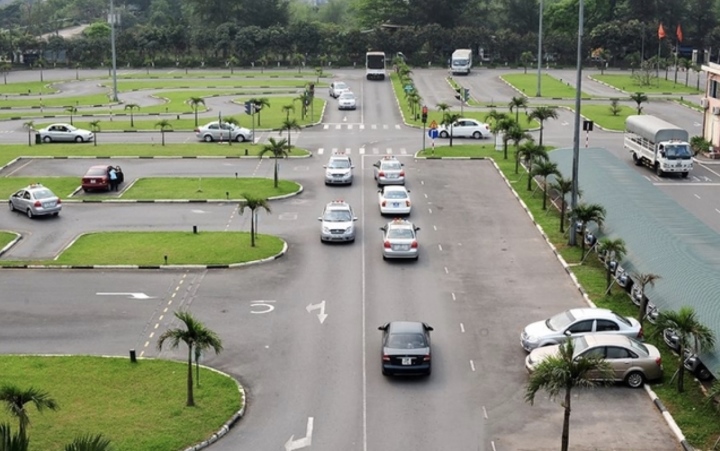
(406, 348)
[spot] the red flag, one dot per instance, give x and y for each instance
(661, 32)
(678, 33)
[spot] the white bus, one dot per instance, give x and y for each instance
(375, 65)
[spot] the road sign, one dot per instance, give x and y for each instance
(409, 88)
(433, 125)
(433, 133)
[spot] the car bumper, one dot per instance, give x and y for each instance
(95, 186)
(526, 345)
(338, 180)
(389, 253)
(395, 210)
(346, 107)
(337, 237)
(389, 181)
(425, 368)
(46, 211)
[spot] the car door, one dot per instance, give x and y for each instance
(61, 133)
(620, 359)
(580, 328)
(606, 326)
(17, 199)
(596, 352)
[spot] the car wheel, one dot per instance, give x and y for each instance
(385, 372)
(635, 379)
(30, 213)
(240, 138)
(56, 213)
(637, 160)
(659, 171)
(477, 135)
(685, 175)
(47, 139)
(85, 189)
(429, 372)
(11, 206)
(208, 138)
(384, 258)
(703, 374)
(78, 139)
(444, 134)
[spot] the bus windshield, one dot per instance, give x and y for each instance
(375, 61)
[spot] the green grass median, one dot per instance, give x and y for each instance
(631, 85)
(130, 85)
(6, 238)
(28, 88)
(602, 116)
(138, 406)
(551, 86)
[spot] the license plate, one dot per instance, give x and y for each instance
(93, 181)
(402, 247)
(392, 176)
(396, 204)
(407, 360)
(337, 175)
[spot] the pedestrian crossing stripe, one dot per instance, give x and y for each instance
(361, 126)
(363, 151)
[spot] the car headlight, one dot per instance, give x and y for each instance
(532, 339)
(326, 229)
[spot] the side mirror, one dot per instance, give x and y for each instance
(417, 228)
(325, 166)
(319, 218)
(428, 328)
(407, 190)
(383, 228)
(352, 167)
(354, 218)
(383, 327)
(567, 333)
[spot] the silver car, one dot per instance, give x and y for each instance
(337, 222)
(400, 240)
(347, 101)
(338, 171)
(389, 171)
(35, 200)
(578, 322)
(337, 88)
(65, 133)
(216, 131)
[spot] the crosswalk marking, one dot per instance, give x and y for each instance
(362, 126)
(350, 126)
(385, 126)
(326, 126)
(374, 126)
(320, 151)
(364, 151)
(347, 150)
(397, 126)
(338, 126)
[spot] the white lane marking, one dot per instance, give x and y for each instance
(348, 150)
(397, 126)
(322, 316)
(320, 151)
(435, 228)
(452, 294)
(304, 442)
(422, 182)
(485, 413)
(362, 126)
(472, 365)
(338, 126)
(440, 246)
(374, 126)
(430, 210)
(326, 126)
(446, 270)
(717, 210)
(697, 196)
(462, 328)
(426, 196)
(492, 443)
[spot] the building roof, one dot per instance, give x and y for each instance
(661, 236)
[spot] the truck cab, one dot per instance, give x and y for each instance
(659, 145)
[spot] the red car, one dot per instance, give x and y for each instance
(97, 178)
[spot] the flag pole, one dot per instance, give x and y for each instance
(657, 66)
(677, 47)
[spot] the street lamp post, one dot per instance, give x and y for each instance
(539, 55)
(112, 19)
(576, 131)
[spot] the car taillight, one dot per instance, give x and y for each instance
(386, 358)
(407, 203)
(386, 245)
(381, 174)
(641, 333)
(402, 173)
(37, 203)
(197, 130)
(414, 244)
(426, 358)
(384, 203)
(59, 201)
(658, 361)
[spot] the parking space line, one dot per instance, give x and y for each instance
(462, 328)
(440, 247)
(452, 294)
(472, 365)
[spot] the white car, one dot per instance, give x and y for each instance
(216, 131)
(389, 171)
(347, 101)
(65, 133)
(400, 240)
(394, 200)
(338, 171)
(465, 128)
(337, 88)
(337, 222)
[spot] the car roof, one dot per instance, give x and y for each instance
(405, 326)
(394, 188)
(588, 312)
(339, 156)
(400, 223)
(36, 187)
(606, 340)
(337, 205)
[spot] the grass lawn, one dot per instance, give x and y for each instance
(473, 150)
(698, 421)
(53, 101)
(28, 88)
(6, 238)
(601, 115)
(657, 86)
(130, 85)
(435, 115)
(551, 86)
(236, 73)
(11, 151)
(61, 186)
(137, 406)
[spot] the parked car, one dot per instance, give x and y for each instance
(389, 171)
(337, 88)
(97, 178)
(465, 128)
(578, 322)
(347, 101)
(406, 348)
(338, 170)
(65, 133)
(400, 240)
(631, 361)
(394, 200)
(216, 131)
(337, 222)
(692, 362)
(35, 200)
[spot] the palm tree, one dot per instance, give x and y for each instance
(688, 328)
(259, 104)
(448, 120)
(131, 107)
(645, 279)
(287, 109)
(10, 441)
(29, 126)
(164, 126)
(253, 204)
(264, 60)
(494, 117)
(413, 100)
(206, 339)
(232, 62)
(528, 150)
(443, 107)
(541, 114)
(195, 103)
(544, 168)
(72, 110)
(89, 443)
(304, 99)
(586, 213)
(614, 249)
(687, 65)
(95, 127)
(191, 336)
(297, 60)
(639, 98)
(289, 125)
(559, 374)
(278, 149)
(504, 126)
(5, 68)
(563, 186)
(15, 400)
(515, 104)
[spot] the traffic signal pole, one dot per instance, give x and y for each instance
(424, 121)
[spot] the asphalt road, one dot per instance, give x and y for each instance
(484, 272)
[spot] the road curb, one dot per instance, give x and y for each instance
(668, 419)
(12, 243)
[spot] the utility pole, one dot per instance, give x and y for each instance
(576, 131)
(539, 54)
(112, 19)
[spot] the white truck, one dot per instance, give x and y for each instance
(461, 61)
(659, 145)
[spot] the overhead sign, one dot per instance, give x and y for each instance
(433, 125)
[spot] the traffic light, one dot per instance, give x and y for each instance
(424, 114)
(311, 89)
(466, 94)
(249, 108)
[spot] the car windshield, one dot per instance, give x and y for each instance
(401, 232)
(43, 194)
(347, 95)
(579, 344)
(339, 164)
(407, 341)
(95, 172)
(392, 165)
(622, 319)
(637, 346)
(337, 216)
(677, 152)
(395, 194)
(70, 128)
(339, 86)
(560, 321)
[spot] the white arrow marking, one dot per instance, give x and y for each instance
(131, 295)
(304, 442)
(321, 306)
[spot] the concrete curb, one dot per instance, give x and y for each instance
(668, 419)
(12, 243)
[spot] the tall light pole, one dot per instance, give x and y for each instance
(576, 132)
(112, 19)
(539, 56)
